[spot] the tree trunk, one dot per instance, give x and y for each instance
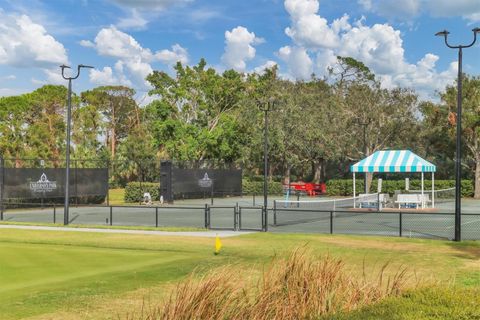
(18, 162)
(114, 134)
(323, 176)
(271, 170)
(318, 170)
(113, 144)
(286, 174)
(477, 177)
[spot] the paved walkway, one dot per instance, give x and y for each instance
(206, 234)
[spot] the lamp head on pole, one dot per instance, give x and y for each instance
(84, 66)
(476, 30)
(443, 33)
(63, 67)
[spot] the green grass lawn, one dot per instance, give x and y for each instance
(65, 275)
(116, 196)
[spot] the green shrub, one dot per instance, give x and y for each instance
(344, 187)
(256, 187)
(134, 191)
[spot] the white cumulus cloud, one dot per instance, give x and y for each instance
(308, 28)
(106, 77)
(300, 65)
(239, 48)
(24, 43)
(133, 61)
(379, 46)
(171, 57)
(267, 65)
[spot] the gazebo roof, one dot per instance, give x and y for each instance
(393, 161)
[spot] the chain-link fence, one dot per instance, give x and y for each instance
(433, 225)
(32, 191)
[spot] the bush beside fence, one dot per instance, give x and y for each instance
(134, 191)
(256, 187)
(344, 187)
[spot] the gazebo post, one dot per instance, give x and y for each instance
(354, 192)
(423, 199)
(433, 189)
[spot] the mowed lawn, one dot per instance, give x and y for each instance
(69, 275)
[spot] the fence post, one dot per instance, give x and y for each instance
(211, 194)
(275, 212)
(254, 199)
(239, 218)
(2, 163)
(206, 217)
(235, 217)
(108, 182)
(54, 214)
(111, 215)
(209, 216)
(331, 222)
(263, 218)
(156, 217)
(400, 224)
(298, 199)
(76, 182)
(266, 219)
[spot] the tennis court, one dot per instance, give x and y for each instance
(241, 213)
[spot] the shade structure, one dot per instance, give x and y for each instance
(393, 161)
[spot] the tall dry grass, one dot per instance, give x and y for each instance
(300, 286)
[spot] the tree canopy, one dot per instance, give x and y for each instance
(318, 127)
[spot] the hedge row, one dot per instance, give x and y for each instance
(344, 187)
(256, 187)
(338, 187)
(134, 191)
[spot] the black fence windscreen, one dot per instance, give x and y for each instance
(24, 184)
(196, 182)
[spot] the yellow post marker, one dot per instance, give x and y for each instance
(218, 245)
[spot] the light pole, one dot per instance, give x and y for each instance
(364, 125)
(458, 164)
(67, 153)
(266, 107)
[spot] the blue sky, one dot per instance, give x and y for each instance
(127, 39)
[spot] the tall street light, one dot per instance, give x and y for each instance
(458, 165)
(67, 154)
(266, 107)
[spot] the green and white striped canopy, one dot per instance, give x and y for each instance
(393, 161)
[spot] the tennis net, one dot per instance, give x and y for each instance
(439, 196)
(365, 201)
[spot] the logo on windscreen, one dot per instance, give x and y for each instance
(43, 184)
(205, 182)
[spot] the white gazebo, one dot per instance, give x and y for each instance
(396, 161)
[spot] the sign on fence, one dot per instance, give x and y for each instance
(36, 183)
(197, 182)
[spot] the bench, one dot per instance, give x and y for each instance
(370, 201)
(412, 201)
